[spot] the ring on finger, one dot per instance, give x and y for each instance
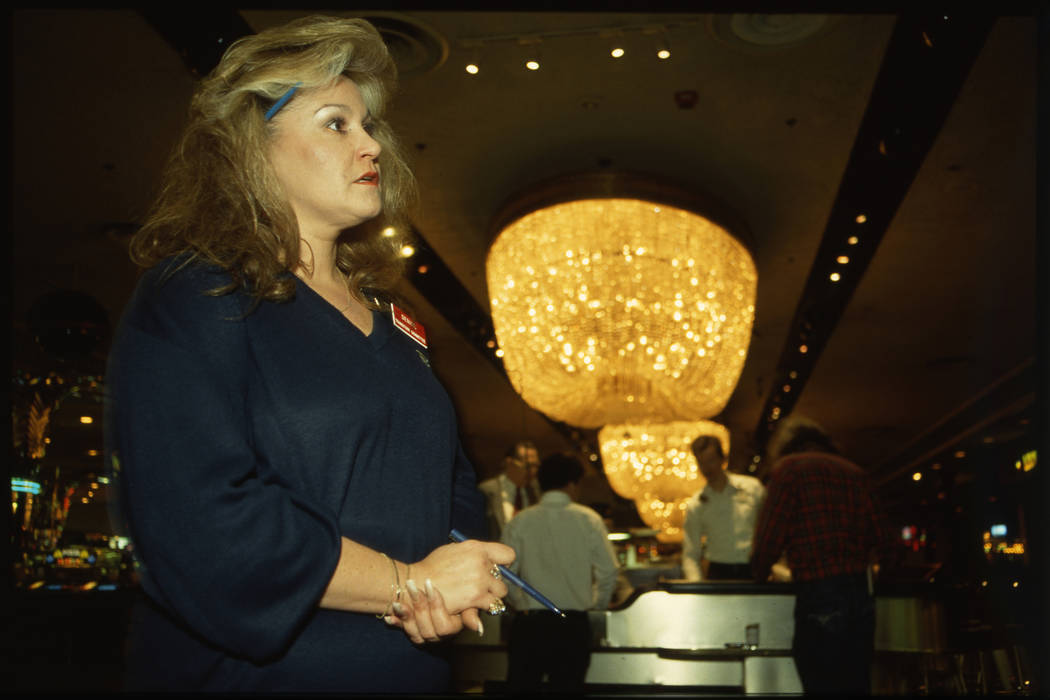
(495, 572)
(497, 607)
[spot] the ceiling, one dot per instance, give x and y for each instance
(928, 346)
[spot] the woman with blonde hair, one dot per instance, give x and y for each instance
(288, 466)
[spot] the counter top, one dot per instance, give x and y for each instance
(883, 589)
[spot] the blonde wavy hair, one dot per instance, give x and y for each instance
(220, 201)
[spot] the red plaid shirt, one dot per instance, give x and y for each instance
(821, 510)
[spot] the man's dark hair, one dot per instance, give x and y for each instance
(799, 434)
(703, 442)
(558, 471)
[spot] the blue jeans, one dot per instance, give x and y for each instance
(834, 634)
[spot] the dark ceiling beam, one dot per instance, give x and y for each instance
(926, 62)
(429, 274)
(1007, 396)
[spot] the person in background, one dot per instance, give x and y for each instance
(563, 550)
(720, 519)
(288, 465)
(821, 510)
(513, 489)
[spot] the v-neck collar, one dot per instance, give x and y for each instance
(380, 327)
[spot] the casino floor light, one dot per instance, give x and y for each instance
(621, 302)
(614, 310)
(654, 465)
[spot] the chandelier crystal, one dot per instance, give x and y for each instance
(615, 310)
(654, 465)
(655, 458)
(666, 517)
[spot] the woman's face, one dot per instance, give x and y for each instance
(326, 159)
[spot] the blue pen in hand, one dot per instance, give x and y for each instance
(457, 536)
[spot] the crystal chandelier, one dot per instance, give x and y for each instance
(654, 465)
(611, 310)
(666, 517)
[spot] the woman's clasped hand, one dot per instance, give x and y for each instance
(447, 589)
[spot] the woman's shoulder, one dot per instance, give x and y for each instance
(180, 295)
(183, 276)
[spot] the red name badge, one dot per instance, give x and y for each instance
(409, 326)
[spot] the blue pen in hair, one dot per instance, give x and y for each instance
(457, 536)
(281, 102)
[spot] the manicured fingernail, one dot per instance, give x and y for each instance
(412, 588)
(481, 629)
(399, 609)
(388, 619)
(430, 588)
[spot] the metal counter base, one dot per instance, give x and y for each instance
(701, 671)
(648, 671)
(691, 638)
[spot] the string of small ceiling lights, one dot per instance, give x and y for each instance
(617, 40)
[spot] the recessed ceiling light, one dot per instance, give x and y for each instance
(769, 31)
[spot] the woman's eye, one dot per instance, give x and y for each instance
(370, 128)
(337, 124)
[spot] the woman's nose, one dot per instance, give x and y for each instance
(371, 148)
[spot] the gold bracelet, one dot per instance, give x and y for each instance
(395, 587)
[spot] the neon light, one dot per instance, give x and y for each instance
(1028, 460)
(25, 486)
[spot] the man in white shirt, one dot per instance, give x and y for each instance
(720, 519)
(563, 550)
(514, 489)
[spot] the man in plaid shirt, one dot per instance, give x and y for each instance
(820, 508)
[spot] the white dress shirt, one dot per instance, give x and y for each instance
(500, 493)
(563, 550)
(726, 519)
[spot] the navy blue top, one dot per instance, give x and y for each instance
(246, 444)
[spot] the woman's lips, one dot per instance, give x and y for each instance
(369, 178)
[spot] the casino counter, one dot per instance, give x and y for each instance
(735, 638)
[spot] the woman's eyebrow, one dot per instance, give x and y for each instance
(340, 105)
(333, 104)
